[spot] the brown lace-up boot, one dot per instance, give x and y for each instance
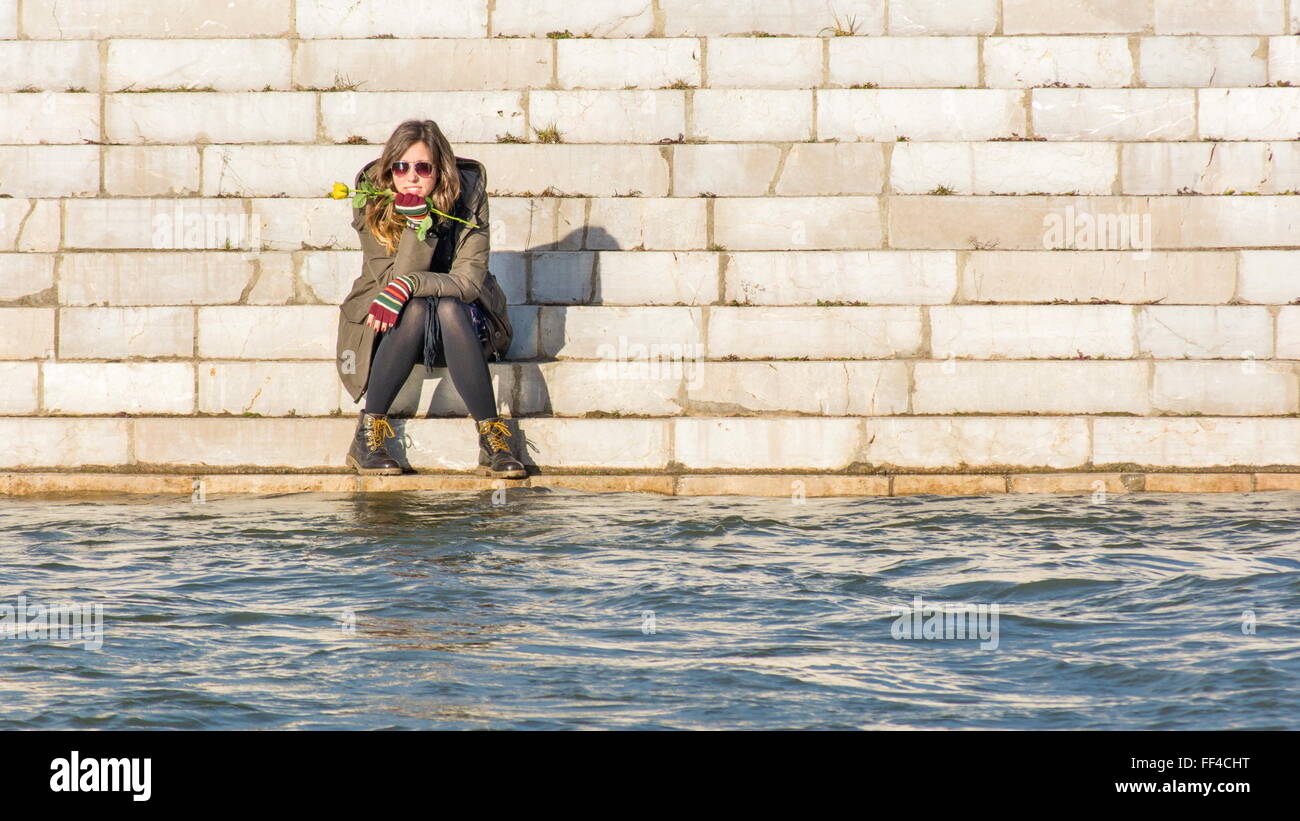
(368, 453)
(494, 456)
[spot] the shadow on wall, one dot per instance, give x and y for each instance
(568, 277)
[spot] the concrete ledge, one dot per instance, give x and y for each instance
(773, 484)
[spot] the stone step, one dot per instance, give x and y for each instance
(205, 487)
(823, 444)
(625, 19)
(1137, 224)
(172, 282)
(537, 192)
(679, 385)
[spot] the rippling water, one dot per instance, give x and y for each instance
(560, 609)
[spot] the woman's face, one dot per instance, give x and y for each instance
(411, 181)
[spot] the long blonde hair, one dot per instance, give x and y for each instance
(380, 217)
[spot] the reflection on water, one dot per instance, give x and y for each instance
(561, 609)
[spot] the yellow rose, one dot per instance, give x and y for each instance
(340, 191)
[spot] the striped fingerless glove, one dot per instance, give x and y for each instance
(389, 303)
(412, 206)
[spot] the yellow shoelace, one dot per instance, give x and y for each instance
(378, 431)
(493, 431)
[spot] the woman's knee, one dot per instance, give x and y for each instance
(414, 311)
(451, 309)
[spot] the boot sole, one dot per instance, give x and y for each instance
(484, 470)
(353, 463)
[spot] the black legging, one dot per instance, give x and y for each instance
(402, 346)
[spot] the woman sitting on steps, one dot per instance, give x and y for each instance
(430, 300)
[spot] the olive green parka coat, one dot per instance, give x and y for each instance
(456, 266)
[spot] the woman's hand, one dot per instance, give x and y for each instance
(412, 206)
(384, 310)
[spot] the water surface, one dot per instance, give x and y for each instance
(568, 610)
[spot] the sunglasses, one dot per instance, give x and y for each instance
(401, 167)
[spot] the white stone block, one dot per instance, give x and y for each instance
(258, 332)
(656, 277)
(318, 19)
(28, 333)
(810, 18)
(1219, 17)
(1205, 332)
(1247, 388)
(725, 169)
(1249, 113)
(1004, 168)
(922, 17)
(1041, 276)
(537, 18)
(106, 19)
(307, 172)
(821, 388)
(25, 275)
(37, 442)
(1196, 62)
(1196, 443)
(215, 117)
(611, 332)
(120, 333)
(763, 62)
(463, 116)
(30, 224)
(649, 223)
(1021, 62)
(162, 278)
(526, 343)
(789, 444)
(797, 223)
(630, 388)
(611, 116)
(975, 442)
(865, 332)
(1030, 387)
(19, 395)
(156, 224)
(879, 277)
(1114, 114)
(758, 115)
(574, 170)
(653, 62)
(46, 65)
(151, 170)
(904, 62)
(208, 64)
(919, 114)
(49, 118)
(563, 277)
(1288, 333)
(1031, 331)
(463, 65)
(268, 388)
(113, 387)
(290, 443)
(1212, 168)
(330, 274)
(1074, 16)
(826, 169)
(1271, 277)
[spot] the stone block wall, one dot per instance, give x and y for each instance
(862, 236)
